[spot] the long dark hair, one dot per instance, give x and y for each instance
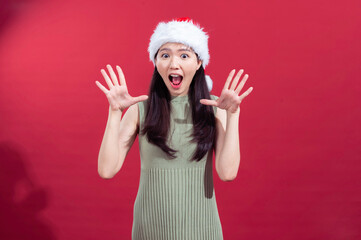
(157, 116)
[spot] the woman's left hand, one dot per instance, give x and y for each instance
(229, 99)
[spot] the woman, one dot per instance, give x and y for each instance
(179, 126)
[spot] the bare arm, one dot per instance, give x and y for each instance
(227, 152)
(118, 138)
(120, 132)
(227, 149)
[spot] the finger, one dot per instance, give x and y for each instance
(101, 87)
(241, 84)
(140, 98)
(209, 102)
(245, 94)
(112, 75)
(121, 76)
(228, 81)
(107, 79)
(235, 80)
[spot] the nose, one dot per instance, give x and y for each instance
(174, 63)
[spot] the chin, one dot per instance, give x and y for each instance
(178, 93)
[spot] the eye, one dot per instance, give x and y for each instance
(184, 55)
(165, 55)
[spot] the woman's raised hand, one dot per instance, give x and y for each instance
(229, 99)
(118, 96)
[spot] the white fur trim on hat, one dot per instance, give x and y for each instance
(209, 82)
(185, 32)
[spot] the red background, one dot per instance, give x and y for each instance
(299, 129)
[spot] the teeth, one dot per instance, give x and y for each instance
(175, 75)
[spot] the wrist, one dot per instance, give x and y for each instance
(234, 114)
(115, 113)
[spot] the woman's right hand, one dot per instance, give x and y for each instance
(118, 96)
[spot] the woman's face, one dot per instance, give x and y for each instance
(177, 64)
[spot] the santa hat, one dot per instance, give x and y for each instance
(181, 30)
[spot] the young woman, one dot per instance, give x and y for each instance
(179, 125)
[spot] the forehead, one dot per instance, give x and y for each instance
(175, 46)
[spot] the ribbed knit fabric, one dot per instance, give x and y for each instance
(176, 198)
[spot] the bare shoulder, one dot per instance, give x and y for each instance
(221, 114)
(131, 117)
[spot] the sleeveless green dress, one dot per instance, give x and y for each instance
(176, 198)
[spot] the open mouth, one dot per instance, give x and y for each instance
(175, 80)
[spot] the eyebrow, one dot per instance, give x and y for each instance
(179, 50)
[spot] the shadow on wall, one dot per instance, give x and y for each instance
(9, 9)
(21, 200)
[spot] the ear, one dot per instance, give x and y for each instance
(199, 64)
